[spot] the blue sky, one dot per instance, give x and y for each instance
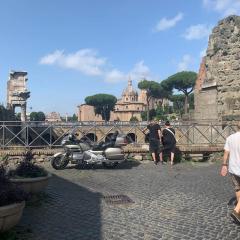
(75, 48)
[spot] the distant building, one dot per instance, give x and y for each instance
(53, 117)
(86, 113)
(131, 104)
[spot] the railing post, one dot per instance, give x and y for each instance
(50, 135)
(211, 133)
(135, 131)
(27, 137)
(193, 136)
(95, 133)
(3, 136)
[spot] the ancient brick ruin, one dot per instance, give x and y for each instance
(217, 95)
(17, 93)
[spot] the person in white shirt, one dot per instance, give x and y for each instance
(231, 164)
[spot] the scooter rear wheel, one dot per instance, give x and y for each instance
(59, 162)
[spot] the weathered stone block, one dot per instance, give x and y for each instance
(217, 86)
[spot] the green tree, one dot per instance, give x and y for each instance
(160, 114)
(73, 118)
(152, 115)
(163, 112)
(144, 116)
(183, 82)
(191, 101)
(153, 90)
(133, 119)
(178, 103)
(37, 116)
(41, 116)
(103, 104)
(18, 116)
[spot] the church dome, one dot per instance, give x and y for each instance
(128, 91)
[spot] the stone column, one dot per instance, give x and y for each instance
(23, 112)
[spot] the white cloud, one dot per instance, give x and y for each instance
(225, 7)
(51, 58)
(186, 61)
(137, 73)
(197, 32)
(114, 76)
(84, 60)
(165, 23)
(89, 63)
(140, 71)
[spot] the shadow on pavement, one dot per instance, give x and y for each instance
(120, 166)
(71, 212)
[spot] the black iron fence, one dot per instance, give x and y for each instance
(50, 135)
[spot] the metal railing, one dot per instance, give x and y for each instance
(49, 135)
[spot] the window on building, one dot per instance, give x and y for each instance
(126, 107)
(126, 99)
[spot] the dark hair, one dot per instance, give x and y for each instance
(167, 123)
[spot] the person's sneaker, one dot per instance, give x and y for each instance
(235, 216)
(155, 162)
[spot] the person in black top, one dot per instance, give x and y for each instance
(168, 141)
(154, 139)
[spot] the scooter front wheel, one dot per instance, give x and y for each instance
(109, 165)
(59, 162)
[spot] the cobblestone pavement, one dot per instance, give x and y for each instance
(184, 202)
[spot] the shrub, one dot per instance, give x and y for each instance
(9, 193)
(27, 169)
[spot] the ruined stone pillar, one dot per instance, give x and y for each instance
(23, 112)
(17, 93)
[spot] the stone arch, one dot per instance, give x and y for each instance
(131, 137)
(147, 138)
(90, 136)
(47, 138)
(108, 137)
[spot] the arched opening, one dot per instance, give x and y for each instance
(49, 139)
(147, 138)
(89, 137)
(131, 137)
(108, 137)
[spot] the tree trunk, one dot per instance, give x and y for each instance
(147, 110)
(186, 104)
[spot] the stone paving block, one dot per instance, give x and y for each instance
(183, 202)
